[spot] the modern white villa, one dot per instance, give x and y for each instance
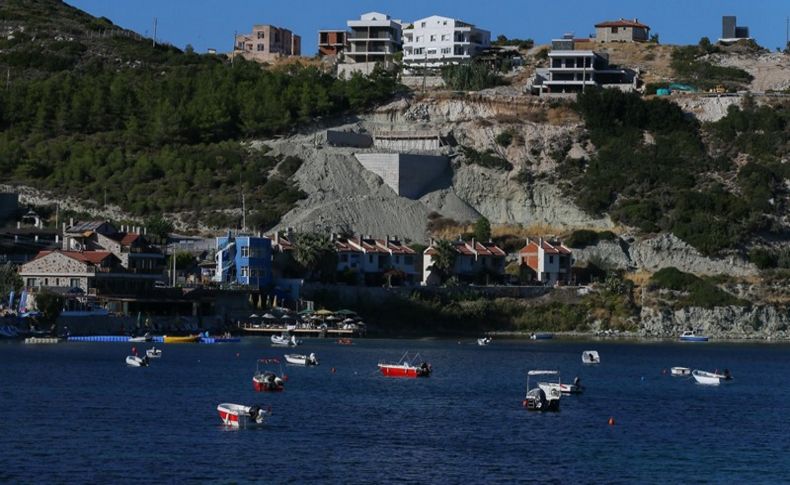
(437, 41)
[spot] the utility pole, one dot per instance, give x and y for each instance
(243, 213)
(153, 41)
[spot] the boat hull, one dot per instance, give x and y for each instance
(706, 378)
(405, 371)
(295, 359)
(261, 385)
(695, 338)
(238, 416)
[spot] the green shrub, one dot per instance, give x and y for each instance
(698, 291)
(487, 159)
(470, 77)
(763, 258)
(582, 238)
(504, 139)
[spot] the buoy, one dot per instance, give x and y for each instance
(134, 349)
(237, 354)
(285, 377)
(611, 421)
(664, 371)
(333, 370)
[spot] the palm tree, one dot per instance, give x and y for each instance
(314, 252)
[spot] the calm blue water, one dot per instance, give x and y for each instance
(75, 413)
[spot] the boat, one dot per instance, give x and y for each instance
(9, 331)
(265, 380)
(135, 361)
(680, 371)
(241, 416)
(153, 353)
(285, 340)
(542, 336)
(591, 357)
(575, 388)
(299, 359)
(706, 378)
(406, 367)
(42, 340)
(144, 338)
(484, 341)
(345, 341)
(690, 336)
(181, 340)
(546, 396)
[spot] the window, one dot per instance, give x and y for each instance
(419, 38)
(446, 50)
(370, 258)
(245, 271)
(46, 281)
(445, 37)
(433, 38)
(419, 51)
(245, 251)
(551, 259)
(422, 24)
(74, 282)
(31, 282)
(444, 22)
(261, 35)
(57, 281)
(614, 30)
(397, 259)
(260, 47)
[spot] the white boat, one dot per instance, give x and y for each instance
(575, 388)
(484, 341)
(300, 359)
(706, 378)
(591, 357)
(680, 371)
(285, 340)
(153, 353)
(135, 361)
(241, 416)
(545, 397)
(690, 336)
(145, 338)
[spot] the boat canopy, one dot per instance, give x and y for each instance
(543, 373)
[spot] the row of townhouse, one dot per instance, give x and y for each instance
(374, 261)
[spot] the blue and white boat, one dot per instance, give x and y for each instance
(542, 336)
(690, 336)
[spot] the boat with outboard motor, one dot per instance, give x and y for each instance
(542, 336)
(407, 366)
(135, 361)
(680, 371)
(706, 378)
(546, 396)
(300, 359)
(591, 357)
(153, 353)
(265, 379)
(484, 341)
(142, 338)
(241, 416)
(285, 340)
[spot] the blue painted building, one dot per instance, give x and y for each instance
(244, 260)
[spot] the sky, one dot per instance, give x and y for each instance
(211, 23)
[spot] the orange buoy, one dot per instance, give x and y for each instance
(611, 421)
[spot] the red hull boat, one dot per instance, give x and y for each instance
(266, 380)
(406, 367)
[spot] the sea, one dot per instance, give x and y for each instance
(75, 413)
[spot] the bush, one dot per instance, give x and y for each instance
(487, 159)
(698, 292)
(470, 77)
(504, 139)
(763, 258)
(582, 238)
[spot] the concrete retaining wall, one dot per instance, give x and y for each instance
(409, 175)
(348, 139)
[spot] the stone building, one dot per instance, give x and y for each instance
(267, 43)
(622, 30)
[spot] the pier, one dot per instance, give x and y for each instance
(321, 332)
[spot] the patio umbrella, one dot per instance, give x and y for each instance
(323, 313)
(346, 312)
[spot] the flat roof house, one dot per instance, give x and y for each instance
(374, 38)
(331, 42)
(267, 43)
(437, 41)
(622, 30)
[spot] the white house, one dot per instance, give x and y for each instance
(439, 41)
(550, 262)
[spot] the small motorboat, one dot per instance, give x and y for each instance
(546, 396)
(135, 361)
(706, 378)
(345, 341)
(42, 340)
(542, 336)
(575, 388)
(285, 340)
(484, 341)
(145, 338)
(9, 331)
(265, 379)
(153, 353)
(591, 357)
(690, 336)
(240, 416)
(190, 339)
(406, 367)
(680, 371)
(299, 359)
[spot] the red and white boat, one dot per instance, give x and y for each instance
(345, 341)
(407, 366)
(266, 380)
(241, 416)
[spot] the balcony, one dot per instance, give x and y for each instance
(359, 36)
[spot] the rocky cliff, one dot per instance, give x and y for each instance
(732, 322)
